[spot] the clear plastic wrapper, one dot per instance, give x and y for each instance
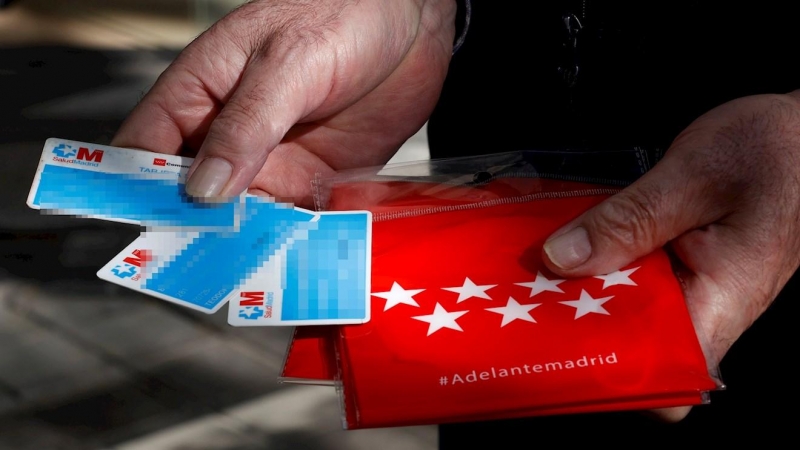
(468, 323)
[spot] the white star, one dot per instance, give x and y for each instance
(513, 310)
(470, 289)
(542, 284)
(618, 277)
(441, 318)
(398, 295)
(586, 304)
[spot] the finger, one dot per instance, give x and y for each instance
(720, 299)
(266, 103)
(669, 415)
(178, 110)
(726, 293)
(149, 127)
(660, 206)
(165, 124)
(323, 64)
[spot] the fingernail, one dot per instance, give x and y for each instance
(209, 178)
(569, 250)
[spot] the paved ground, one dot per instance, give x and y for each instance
(88, 365)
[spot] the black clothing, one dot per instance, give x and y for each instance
(645, 70)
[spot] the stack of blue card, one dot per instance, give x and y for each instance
(272, 263)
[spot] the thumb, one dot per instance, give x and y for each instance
(658, 207)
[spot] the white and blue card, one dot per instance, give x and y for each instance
(283, 266)
(274, 264)
(321, 275)
(123, 185)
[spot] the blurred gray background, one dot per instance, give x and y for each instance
(85, 364)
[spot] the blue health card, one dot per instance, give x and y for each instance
(128, 197)
(322, 277)
(327, 275)
(214, 264)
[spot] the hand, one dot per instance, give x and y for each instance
(280, 90)
(726, 197)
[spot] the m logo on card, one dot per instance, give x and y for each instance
(68, 154)
(64, 151)
(132, 264)
(95, 155)
(125, 271)
(138, 258)
(252, 305)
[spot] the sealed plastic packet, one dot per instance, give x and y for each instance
(468, 323)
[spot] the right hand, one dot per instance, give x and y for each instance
(277, 91)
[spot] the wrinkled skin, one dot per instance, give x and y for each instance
(726, 200)
(279, 90)
(284, 89)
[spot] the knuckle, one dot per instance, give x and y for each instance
(288, 23)
(628, 219)
(235, 129)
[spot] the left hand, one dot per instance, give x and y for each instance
(726, 198)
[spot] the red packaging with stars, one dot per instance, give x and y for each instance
(467, 322)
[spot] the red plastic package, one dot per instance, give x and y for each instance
(467, 323)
